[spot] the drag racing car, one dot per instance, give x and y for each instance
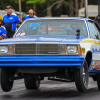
(60, 48)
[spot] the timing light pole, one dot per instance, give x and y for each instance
(20, 10)
(86, 8)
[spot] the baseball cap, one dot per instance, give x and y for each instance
(9, 7)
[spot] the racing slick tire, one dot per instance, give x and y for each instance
(6, 79)
(82, 77)
(98, 81)
(32, 82)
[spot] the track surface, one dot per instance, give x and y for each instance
(51, 90)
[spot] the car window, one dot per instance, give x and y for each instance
(93, 30)
(53, 27)
(98, 28)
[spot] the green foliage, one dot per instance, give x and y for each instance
(16, 1)
(93, 2)
(66, 3)
(96, 36)
(57, 7)
(39, 1)
(34, 1)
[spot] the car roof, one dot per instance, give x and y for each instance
(77, 18)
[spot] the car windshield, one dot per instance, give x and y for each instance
(53, 27)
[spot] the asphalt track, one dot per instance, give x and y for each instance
(51, 90)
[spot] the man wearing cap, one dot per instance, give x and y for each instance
(9, 21)
(31, 14)
(2, 29)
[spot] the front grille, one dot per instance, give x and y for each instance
(36, 48)
(47, 49)
(25, 49)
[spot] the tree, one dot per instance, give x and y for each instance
(56, 4)
(76, 8)
(81, 3)
(2, 4)
(49, 7)
(40, 2)
(71, 8)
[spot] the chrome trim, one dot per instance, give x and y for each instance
(59, 51)
(36, 54)
(36, 49)
(6, 43)
(36, 43)
(42, 43)
(87, 27)
(25, 43)
(43, 48)
(42, 18)
(41, 55)
(70, 43)
(14, 49)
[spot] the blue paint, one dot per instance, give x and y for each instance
(95, 50)
(33, 61)
(45, 38)
(44, 61)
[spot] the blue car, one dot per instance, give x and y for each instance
(62, 49)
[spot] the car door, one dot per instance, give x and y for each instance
(94, 33)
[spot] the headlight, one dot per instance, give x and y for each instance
(72, 49)
(6, 49)
(3, 49)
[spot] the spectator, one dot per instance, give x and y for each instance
(2, 29)
(9, 21)
(31, 14)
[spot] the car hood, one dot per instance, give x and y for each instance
(43, 39)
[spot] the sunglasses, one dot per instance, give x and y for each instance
(30, 13)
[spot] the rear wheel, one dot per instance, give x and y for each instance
(6, 79)
(81, 78)
(32, 82)
(98, 81)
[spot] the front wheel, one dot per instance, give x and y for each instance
(81, 78)
(6, 79)
(32, 82)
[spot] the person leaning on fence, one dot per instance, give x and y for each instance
(31, 14)
(2, 29)
(9, 21)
